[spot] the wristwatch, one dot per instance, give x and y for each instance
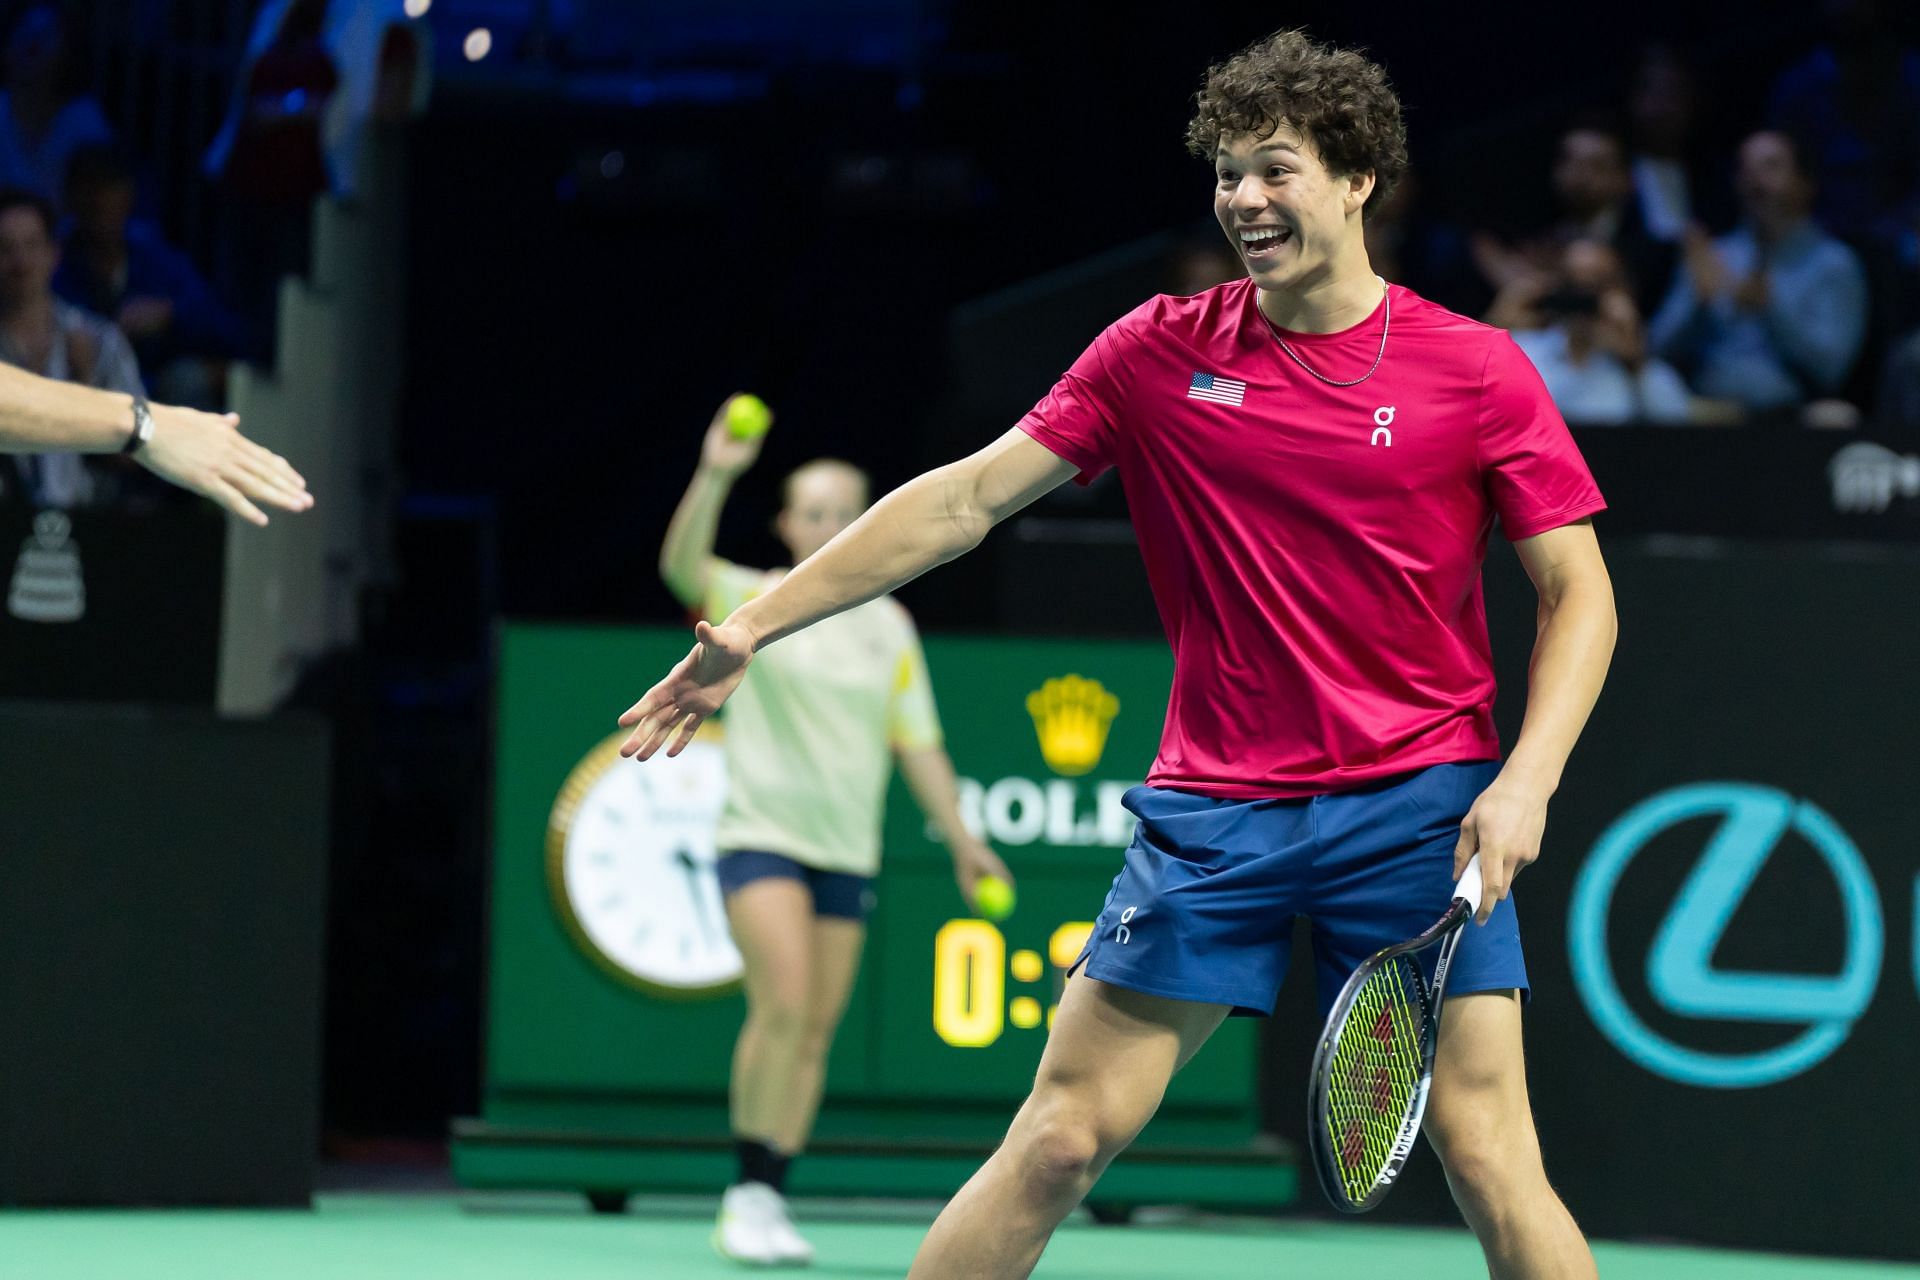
(142, 427)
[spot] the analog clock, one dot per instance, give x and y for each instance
(630, 857)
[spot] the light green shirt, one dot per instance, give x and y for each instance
(812, 729)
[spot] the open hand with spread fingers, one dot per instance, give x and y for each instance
(673, 710)
(206, 453)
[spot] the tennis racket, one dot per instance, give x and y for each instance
(1374, 1065)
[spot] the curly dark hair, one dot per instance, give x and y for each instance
(1339, 101)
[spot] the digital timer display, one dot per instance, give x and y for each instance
(971, 968)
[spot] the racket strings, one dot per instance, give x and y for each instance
(1375, 1073)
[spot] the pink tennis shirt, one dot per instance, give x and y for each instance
(1314, 550)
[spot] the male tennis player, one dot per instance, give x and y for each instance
(1313, 460)
(203, 452)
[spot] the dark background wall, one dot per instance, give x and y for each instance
(161, 941)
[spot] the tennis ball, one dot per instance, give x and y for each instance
(748, 417)
(993, 897)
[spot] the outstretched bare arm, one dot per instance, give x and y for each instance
(203, 452)
(928, 521)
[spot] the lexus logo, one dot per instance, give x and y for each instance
(1681, 976)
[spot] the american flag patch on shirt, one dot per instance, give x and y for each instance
(1219, 390)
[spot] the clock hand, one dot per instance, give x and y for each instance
(690, 869)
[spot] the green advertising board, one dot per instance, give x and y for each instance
(613, 996)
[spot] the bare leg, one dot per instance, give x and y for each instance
(772, 922)
(1480, 1122)
(1105, 1069)
(833, 961)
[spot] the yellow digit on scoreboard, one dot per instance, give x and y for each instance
(969, 983)
(1063, 948)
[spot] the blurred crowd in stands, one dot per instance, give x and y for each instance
(1683, 276)
(91, 289)
(1673, 283)
(1779, 283)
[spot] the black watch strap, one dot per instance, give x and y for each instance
(142, 427)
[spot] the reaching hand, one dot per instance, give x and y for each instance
(1617, 328)
(1517, 305)
(1498, 264)
(692, 691)
(1705, 265)
(206, 453)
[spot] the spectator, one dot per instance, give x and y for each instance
(43, 335)
(1774, 314)
(115, 265)
(1855, 100)
(1666, 170)
(1582, 332)
(1594, 188)
(43, 120)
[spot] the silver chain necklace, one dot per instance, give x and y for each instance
(1386, 323)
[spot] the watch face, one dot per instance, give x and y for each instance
(630, 857)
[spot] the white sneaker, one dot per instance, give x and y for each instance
(743, 1234)
(788, 1244)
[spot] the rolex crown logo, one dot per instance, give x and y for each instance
(1071, 715)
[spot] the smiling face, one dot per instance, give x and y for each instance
(1292, 221)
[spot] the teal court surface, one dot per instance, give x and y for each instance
(441, 1236)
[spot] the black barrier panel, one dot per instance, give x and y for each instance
(1720, 931)
(162, 877)
(1755, 482)
(110, 606)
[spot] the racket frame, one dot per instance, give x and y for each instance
(1444, 933)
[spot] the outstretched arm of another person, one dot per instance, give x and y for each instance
(686, 555)
(203, 452)
(928, 521)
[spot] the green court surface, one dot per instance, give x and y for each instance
(430, 1237)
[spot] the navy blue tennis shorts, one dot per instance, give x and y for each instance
(840, 894)
(1204, 908)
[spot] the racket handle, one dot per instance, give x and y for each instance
(1469, 886)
